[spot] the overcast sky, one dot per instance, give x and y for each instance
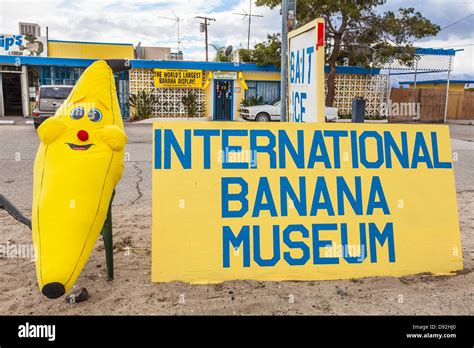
(137, 21)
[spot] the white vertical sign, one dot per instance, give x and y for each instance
(306, 73)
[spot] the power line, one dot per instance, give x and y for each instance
(460, 20)
(450, 25)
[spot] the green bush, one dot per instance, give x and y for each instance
(253, 101)
(192, 105)
(142, 104)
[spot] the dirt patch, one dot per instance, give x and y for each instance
(132, 291)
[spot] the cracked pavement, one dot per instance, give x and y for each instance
(18, 146)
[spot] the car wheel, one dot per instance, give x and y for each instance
(262, 118)
(36, 125)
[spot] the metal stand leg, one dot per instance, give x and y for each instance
(13, 211)
(108, 242)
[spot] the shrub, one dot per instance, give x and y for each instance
(142, 104)
(253, 101)
(192, 105)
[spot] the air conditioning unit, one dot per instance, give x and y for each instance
(30, 28)
(176, 55)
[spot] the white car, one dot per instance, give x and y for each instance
(271, 112)
(262, 113)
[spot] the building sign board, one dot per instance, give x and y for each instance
(302, 202)
(23, 45)
(177, 78)
(225, 75)
(306, 73)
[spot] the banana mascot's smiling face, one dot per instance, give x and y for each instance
(78, 164)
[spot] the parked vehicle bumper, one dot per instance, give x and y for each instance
(247, 116)
(41, 116)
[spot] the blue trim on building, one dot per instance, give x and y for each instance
(437, 51)
(25, 60)
(92, 42)
(436, 82)
(164, 64)
(173, 64)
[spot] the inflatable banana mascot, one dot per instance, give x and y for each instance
(78, 164)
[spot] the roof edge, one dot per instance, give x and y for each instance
(172, 64)
(91, 42)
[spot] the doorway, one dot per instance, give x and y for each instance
(223, 100)
(11, 85)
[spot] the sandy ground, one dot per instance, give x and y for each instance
(133, 293)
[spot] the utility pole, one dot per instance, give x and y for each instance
(288, 22)
(284, 62)
(249, 16)
(204, 26)
(447, 89)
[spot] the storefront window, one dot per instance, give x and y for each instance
(54, 75)
(268, 90)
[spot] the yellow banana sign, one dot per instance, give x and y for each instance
(78, 164)
(242, 81)
(208, 81)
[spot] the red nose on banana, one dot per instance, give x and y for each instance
(83, 135)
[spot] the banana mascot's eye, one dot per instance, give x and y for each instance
(95, 115)
(77, 113)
